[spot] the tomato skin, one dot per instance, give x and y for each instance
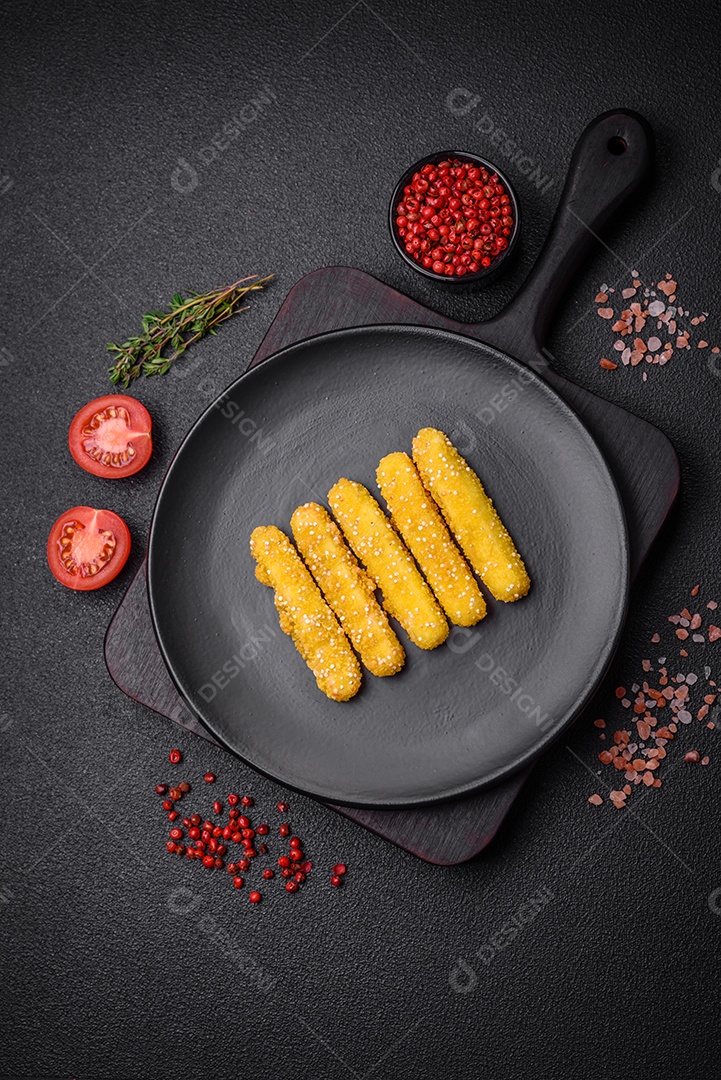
(140, 427)
(95, 521)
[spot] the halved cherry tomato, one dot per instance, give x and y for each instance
(87, 548)
(110, 436)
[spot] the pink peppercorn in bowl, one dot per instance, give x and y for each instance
(441, 192)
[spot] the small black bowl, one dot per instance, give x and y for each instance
(498, 264)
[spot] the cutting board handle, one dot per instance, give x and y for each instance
(611, 159)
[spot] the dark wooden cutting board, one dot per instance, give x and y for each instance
(335, 298)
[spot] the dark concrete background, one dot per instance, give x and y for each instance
(103, 975)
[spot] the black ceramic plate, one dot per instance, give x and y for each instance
(457, 718)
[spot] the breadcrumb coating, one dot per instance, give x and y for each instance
(304, 615)
(470, 514)
(347, 588)
(406, 595)
(419, 522)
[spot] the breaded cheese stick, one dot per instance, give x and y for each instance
(406, 595)
(470, 514)
(419, 522)
(347, 588)
(304, 614)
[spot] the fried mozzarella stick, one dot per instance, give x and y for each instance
(347, 588)
(470, 514)
(376, 543)
(304, 614)
(419, 522)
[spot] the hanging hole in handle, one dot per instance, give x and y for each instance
(617, 145)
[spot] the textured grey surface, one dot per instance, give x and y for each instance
(103, 976)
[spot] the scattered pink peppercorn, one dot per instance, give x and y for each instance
(255, 897)
(209, 778)
(217, 807)
(268, 874)
(246, 800)
(170, 846)
(175, 757)
(340, 869)
(291, 886)
(336, 880)
(283, 861)
(160, 789)
(237, 882)
(262, 830)
(283, 807)
(284, 829)
(176, 834)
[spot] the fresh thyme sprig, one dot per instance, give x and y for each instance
(171, 332)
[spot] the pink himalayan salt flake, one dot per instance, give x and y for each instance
(628, 293)
(595, 800)
(654, 343)
(657, 307)
(656, 638)
(698, 637)
(691, 679)
(714, 633)
(606, 312)
(705, 760)
(695, 622)
(712, 605)
(599, 723)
